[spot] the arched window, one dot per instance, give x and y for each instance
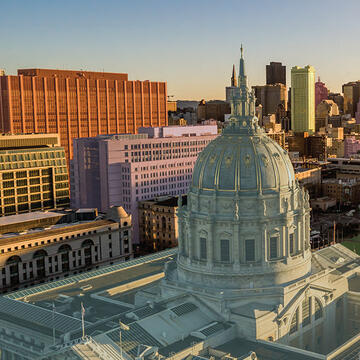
(64, 248)
(87, 245)
(13, 263)
(13, 260)
(40, 256)
(318, 309)
(64, 251)
(294, 325)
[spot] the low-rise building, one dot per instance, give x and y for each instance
(345, 191)
(310, 178)
(33, 173)
(323, 203)
(158, 224)
(49, 248)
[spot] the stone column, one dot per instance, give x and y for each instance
(210, 243)
(236, 245)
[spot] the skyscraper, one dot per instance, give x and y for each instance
(275, 73)
(303, 99)
(351, 92)
(78, 104)
(321, 92)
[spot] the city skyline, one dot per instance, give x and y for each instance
(183, 44)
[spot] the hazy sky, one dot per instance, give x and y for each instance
(190, 44)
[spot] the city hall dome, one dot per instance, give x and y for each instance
(246, 223)
(243, 159)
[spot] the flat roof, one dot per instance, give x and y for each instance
(32, 216)
(62, 228)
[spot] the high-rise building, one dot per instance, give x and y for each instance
(124, 169)
(324, 110)
(351, 93)
(303, 99)
(275, 73)
(33, 173)
(321, 92)
(78, 104)
(271, 97)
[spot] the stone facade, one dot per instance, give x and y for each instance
(58, 251)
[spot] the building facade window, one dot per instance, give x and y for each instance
(292, 244)
(224, 250)
(273, 247)
(203, 249)
(250, 250)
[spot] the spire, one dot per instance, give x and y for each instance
(242, 103)
(233, 77)
(242, 76)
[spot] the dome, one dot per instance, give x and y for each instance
(237, 162)
(246, 223)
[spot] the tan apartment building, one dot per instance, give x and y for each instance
(158, 223)
(33, 173)
(55, 249)
(78, 104)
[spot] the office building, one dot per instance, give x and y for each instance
(50, 246)
(321, 92)
(324, 110)
(33, 173)
(351, 93)
(338, 99)
(124, 169)
(77, 104)
(303, 99)
(158, 223)
(357, 114)
(271, 97)
(213, 109)
(275, 73)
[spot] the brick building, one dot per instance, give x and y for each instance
(79, 104)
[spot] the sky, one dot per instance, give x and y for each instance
(190, 44)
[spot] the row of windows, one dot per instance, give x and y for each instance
(249, 248)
